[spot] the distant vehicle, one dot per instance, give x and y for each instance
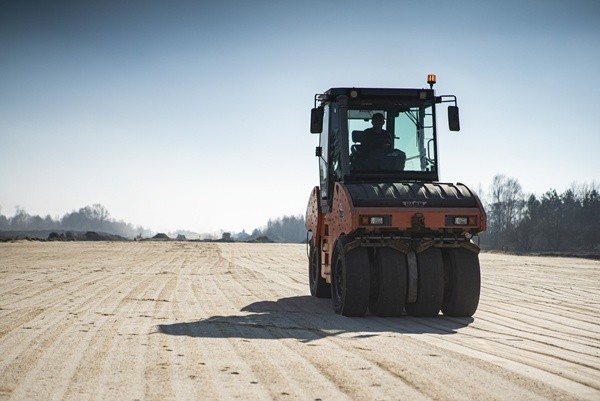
(384, 234)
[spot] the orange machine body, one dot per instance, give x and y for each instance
(406, 222)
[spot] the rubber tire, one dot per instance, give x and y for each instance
(430, 284)
(318, 286)
(388, 282)
(462, 282)
(350, 280)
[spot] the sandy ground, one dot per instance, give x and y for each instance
(195, 321)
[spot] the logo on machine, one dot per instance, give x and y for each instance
(414, 203)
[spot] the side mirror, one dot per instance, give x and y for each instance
(453, 120)
(316, 120)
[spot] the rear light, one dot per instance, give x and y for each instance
(376, 220)
(366, 220)
(461, 220)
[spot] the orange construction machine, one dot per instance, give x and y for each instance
(384, 234)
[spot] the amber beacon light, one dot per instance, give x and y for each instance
(431, 79)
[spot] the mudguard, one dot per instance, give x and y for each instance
(421, 194)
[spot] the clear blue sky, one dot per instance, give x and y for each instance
(194, 115)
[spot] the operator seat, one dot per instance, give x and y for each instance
(378, 159)
(358, 154)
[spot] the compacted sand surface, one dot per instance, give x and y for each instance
(201, 321)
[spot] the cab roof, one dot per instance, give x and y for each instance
(354, 93)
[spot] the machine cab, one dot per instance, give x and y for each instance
(377, 135)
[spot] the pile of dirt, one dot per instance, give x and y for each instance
(57, 235)
(87, 236)
(161, 236)
(262, 240)
(68, 236)
(29, 235)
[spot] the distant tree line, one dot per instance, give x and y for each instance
(89, 218)
(283, 229)
(566, 222)
(553, 222)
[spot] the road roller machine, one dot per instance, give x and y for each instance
(385, 236)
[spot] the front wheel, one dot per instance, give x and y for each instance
(350, 280)
(388, 282)
(430, 284)
(318, 286)
(463, 282)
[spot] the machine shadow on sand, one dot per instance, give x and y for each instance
(306, 319)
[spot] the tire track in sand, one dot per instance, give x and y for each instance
(237, 323)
